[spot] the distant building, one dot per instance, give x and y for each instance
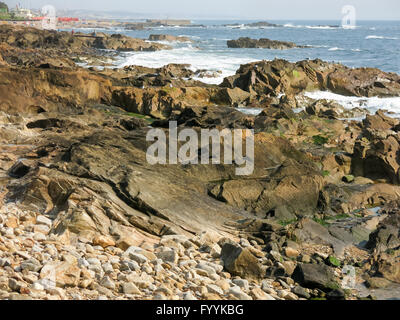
(22, 13)
(3, 8)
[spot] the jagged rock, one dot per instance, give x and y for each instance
(345, 198)
(211, 117)
(387, 235)
(280, 76)
(241, 262)
(28, 37)
(376, 152)
(325, 109)
(20, 169)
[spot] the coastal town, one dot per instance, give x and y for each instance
(34, 18)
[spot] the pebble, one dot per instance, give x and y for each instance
(107, 283)
(42, 220)
(130, 288)
(168, 256)
(137, 257)
(243, 284)
(188, 296)
(212, 288)
(236, 292)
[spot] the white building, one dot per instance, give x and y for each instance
(22, 13)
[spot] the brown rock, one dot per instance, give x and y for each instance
(104, 241)
(261, 43)
(65, 274)
(240, 262)
(12, 222)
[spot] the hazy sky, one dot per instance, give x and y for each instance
(235, 9)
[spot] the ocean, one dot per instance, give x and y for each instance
(371, 44)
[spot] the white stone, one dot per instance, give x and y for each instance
(44, 220)
(236, 292)
(212, 288)
(37, 286)
(130, 288)
(188, 296)
(107, 283)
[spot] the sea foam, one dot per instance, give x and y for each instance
(372, 104)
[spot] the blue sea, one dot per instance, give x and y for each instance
(370, 44)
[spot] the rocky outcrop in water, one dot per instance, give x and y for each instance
(22, 37)
(280, 76)
(260, 24)
(262, 43)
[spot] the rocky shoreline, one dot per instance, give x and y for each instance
(83, 216)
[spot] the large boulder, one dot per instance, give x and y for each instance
(325, 109)
(376, 151)
(241, 262)
(313, 276)
(387, 235)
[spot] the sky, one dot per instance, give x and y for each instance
(232, 9)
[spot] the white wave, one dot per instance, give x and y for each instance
(372, 104)
(198, 59)
(319, 46)
(335, 49)
(290, 25)
(346, 27)
(380, 37)
(322, 27)
(250, 111)
(189, 36)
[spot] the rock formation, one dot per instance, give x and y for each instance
(262, 43)
(84, 215)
